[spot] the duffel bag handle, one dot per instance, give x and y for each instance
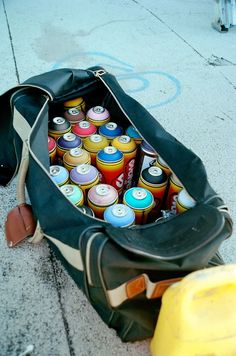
(132, 288)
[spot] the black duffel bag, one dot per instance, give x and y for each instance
(122, 271)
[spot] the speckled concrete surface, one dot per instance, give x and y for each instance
(167, 56)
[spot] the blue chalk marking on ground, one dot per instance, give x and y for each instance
(127, 73)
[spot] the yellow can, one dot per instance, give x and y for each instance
(184, 202)
(175, 187)
(77, 103)
(93, 144)
(197, 316)
(163, 165)
(76, 156)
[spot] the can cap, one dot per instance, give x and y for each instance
(102, 189)
(74, 111)
(124, 139)
(110, 150)
(111, 125)
(83, 168)
(139, 194)
(59, 120)
(95, 138)
(155, 171)
(132, 132)
(119, 210)
(76, 152)
(98, 109)
(55, 170)
(68, 189)
(84, 124)
(69, 137)
(185, 199)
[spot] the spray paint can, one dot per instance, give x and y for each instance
(175, 187)
(184, 202)
(58, 126)
(86, 210)
(73, 193)
(93, 144)
(141, 201)
(133, 133)
(76, 156)
(163, 165)
(100, 197)
(147, 157)
(59, 175)
(155, 180)
(74, 116)
(98, 116)
(119, 215)
(127, 145)
(85, 176)
(77, 103)
(52, 149)
(110, 130)
(110, 163)
(66, 142)
(84, 129)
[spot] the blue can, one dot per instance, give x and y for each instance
(110, 130)
(141, 201)
(119, 215)
(133, 133)
(59, 175)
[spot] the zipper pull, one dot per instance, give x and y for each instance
(98, 73)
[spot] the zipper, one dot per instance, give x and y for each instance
(88, 257)
(99, 73)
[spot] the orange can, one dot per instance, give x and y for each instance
(175, 187)
(129, 148)
(163, 165)
(110, 163)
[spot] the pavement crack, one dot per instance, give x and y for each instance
(171, 29)
(229, 81)
(65, 322)
(11, 42)
(219, 61)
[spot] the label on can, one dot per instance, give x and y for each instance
(59, 120)
(95, 138)
(76, 152)
(84, 124)
(55, 170)
(111, 126)
(139, 194)
(110, 150)
(102, 190)
(83, 168)
(69, 137)
(124, 139)
(119, 211)
(98, 109)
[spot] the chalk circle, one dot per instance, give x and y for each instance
(137, 84)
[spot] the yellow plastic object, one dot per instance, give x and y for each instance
(198, 315)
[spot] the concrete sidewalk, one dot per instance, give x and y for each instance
(166, 55)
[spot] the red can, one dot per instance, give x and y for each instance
(52, 149)
(84, 129)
